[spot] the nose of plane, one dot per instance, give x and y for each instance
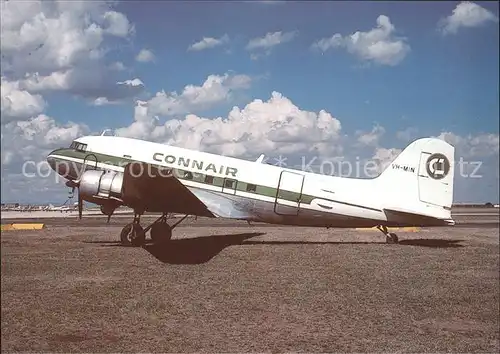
(56, 163)
(52, 161)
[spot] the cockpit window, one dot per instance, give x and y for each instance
(78, 146)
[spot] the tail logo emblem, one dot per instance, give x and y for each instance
(438, 166)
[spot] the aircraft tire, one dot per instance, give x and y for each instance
(133, 235)
(161, 233)
(392, 238)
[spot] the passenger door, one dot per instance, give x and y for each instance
(289, 193)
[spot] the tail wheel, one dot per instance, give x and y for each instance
(133, 235)
(161, 232)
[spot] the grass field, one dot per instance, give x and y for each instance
(246, 289)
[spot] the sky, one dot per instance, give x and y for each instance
(305, 83)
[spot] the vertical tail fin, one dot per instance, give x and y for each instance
(420, 179)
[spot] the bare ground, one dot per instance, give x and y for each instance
(248, 289)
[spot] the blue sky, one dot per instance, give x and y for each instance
(442, 82)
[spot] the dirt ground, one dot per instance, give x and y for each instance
(74, 288)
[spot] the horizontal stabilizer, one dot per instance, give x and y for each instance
(420, 218)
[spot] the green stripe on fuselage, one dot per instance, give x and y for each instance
(259, 190)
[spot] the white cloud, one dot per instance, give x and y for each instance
(379, 45)
(270, 40)
(472, 146)
(92, 83)
(276, 126)
(408, 134)
(54, 46)
(214, 90)
(49, 45)
(145, 56)
(279, 127)
(134, 82)
(119, 66)
(477, 166)
(18, 104)
(273, 127)
(25, 146)
(58, 36)
(466, 14)
(118, 24)
(32, 139)
(382, 158)
(371, 138)
(208, 42)
(104, 101)
(56, 81)
(123, 89)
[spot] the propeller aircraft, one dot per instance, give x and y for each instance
(416, 189)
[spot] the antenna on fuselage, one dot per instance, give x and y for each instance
(260, 159)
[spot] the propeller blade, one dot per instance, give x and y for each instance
(80, 205)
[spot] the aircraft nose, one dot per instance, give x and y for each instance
(56, 164)
(52, 161)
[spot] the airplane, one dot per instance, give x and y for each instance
(416, 189)
(61, 208)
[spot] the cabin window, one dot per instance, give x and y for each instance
(251, 187)
(229, 183)
(188, 175)
(209, 179)
(163, 172)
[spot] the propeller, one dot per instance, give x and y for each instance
(73, 185)
(76, 184)
(80, 205)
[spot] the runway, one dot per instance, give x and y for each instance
(464, 217)
(232, 287)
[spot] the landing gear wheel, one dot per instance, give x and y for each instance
(133, 235)
(161, 233)
(392, 238)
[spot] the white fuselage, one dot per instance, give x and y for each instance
(321, 199)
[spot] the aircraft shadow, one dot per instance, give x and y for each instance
(432, 242)
(422, 242)
(200, 250)
(195, 250)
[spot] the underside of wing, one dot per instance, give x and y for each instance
(153, 189)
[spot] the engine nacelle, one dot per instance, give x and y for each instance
(96, 184)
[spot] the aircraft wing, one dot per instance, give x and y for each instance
(146, 187)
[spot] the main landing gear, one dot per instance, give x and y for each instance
(161, 232)
(390, 237)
